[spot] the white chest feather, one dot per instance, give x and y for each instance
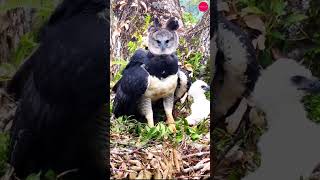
(160, 88)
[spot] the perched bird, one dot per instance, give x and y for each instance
(62, 91)
(152, 76)
(200, 108)
(236, 69)
(289, 147)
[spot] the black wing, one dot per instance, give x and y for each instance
(131, 86)
(138, 58)
(184, 83)
(65, 89)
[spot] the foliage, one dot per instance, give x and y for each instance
(37, 4)
(221, 140)
(312, 106)
(4, 142)
(122, 64)
(25, 47)
(160, 131)
(312, 25)
(189, 19)
(137, 37)
(311, 57)
(276, 20)
(49, 175)
(28, 41)
(195, 60)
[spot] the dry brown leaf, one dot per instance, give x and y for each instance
(126, 26)
(254, 22)
(154, 163)
(141, 175)
(122, 2)
(176, 159)
(134, 4)
(144, 5)
(256, 118)
(276, 54)
(133, 175)
(136, 168)
(205, 168)
(123, 166)
(261, 41)
(188, 67)
(147, 174)
(232, 17)
(255, 43)
(165, 174)
(163, 165)
(135, 162)
(157, 174)
(150, 155)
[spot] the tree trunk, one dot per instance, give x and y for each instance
(14, 24)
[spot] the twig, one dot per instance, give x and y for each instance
(236, 140)
(195, 154)
(303, 32)
(194, 168)
(8, 175)
(66, 172)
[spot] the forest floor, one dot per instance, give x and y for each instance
(139, 152)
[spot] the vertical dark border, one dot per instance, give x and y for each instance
(107, 40)
(213, 33)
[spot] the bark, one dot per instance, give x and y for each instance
(14, 24)
(128, 17)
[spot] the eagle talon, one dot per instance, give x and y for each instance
(172, 127)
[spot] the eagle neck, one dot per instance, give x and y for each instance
(161, 66)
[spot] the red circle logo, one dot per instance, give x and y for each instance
(203, 6)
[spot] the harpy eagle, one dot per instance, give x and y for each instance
(152, 76)
(61, 89)
(278, 93)
(200, 108)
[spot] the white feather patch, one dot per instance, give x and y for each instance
(160, 88)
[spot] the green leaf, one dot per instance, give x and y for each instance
(277, 35)
(195, 136)
(278, 7)
(34, 176)
(50, 175)
(265, 58)
(179, 137)
(252, 10)
(295, 18)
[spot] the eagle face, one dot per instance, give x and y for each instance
(163, 41)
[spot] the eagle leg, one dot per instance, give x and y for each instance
(168, 107)
(146, 110)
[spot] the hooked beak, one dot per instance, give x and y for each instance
(308, 85)
(162, 46)
(313, 87)
(206, 89)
